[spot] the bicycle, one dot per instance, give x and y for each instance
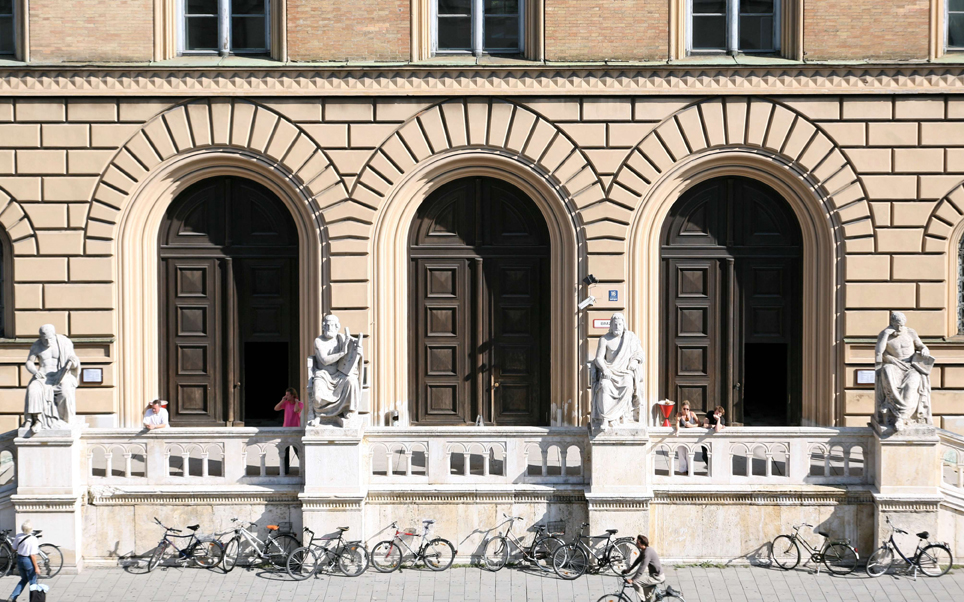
(350, 556)
(837, 555)
(934, 559)
(437, 554)
(275, 549)
(658, 594)
(205, 553)
(574, 559)
(495, 551)
(49, 559)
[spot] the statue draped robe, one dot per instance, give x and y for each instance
(616, 397)
(903, 385)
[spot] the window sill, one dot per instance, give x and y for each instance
(213, 60)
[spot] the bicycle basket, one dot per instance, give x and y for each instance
(556, 527)
(408, 534)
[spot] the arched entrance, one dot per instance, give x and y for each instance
(732, 288)
(480, 308)
(228, 269)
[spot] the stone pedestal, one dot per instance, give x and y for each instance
(50, 489)
(619, 494)
(907, 479)
(336, 480)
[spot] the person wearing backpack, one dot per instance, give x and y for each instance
(28, 546)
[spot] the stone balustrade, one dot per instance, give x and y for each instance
(761, 456)
(952, 461)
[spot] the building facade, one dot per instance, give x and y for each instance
(189, 187)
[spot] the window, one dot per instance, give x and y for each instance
(7, 35)
(225, 27)
(960, 286)
(955, 25)
(479, 26)
(734, 26)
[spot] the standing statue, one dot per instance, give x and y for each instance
(618, 388)
(334, 369)
(51, 401)
(902, 384)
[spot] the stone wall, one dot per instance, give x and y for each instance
(333, 30)
(626, 30)
(867, 30)
(85, 30)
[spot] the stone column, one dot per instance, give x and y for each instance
(619, 494)
(907, 480)
(50, 489)
(336, 480)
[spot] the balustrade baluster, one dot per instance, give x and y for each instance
(960, 470)
(186, 464)
(768, 470)
(466, 456)
(264, 467)
(389, 460)
(562, 455)
(545, 460)
(846, 460)
(691, 460)
(485, 462)
(204, 464)
(127, 463)
(408, 463)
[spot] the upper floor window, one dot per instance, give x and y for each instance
(955, 24)
(734, 26)
(7, 41)
(479, 26)
(225, 27)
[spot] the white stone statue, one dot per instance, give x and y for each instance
(902, 384)
(51, 401)
(618, 389)
(335, 368)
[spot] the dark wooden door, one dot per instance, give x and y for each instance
(228, 254)
(731, 281)
(479, 279)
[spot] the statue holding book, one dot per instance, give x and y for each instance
(335, 369)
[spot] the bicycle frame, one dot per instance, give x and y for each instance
(581, 540)
(332, 554)
(184, 553)
(253, 541)
(511, 538)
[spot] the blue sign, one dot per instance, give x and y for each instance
(614, 295)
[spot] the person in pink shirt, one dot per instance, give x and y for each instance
(292, 407)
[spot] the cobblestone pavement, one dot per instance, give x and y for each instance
(698, 584)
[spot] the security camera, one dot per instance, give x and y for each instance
(590, 280)
(587, 302)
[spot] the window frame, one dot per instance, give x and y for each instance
(7, 314)
(14, 28)
(732, 34)
(477, 47)
(225, 41)
(947, 29)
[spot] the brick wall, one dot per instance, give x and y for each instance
(866, 29)
(335, 30)
(91, 30)
(577, 30)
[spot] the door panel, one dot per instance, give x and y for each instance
(444, 338)
(193, 376)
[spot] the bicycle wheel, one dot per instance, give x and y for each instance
(934, 560)
(7, 559)
(542, 551)
(495, 553)
(301, 564)
(208, 553)
(386, 557)
(613, 598)
(278, 549)
(623, 555)
(785, 552)
(50, 561)
(156, 556)
(880, 561)
(840, 558)
(231, 551)
(570, 562)
(353, 560)
(438, 554)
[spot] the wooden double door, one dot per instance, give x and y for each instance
(229, 310)
(732, 286)
(479, 322)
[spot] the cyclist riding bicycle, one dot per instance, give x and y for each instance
(645, 581)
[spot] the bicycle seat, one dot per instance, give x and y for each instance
(272, 527)
(194, 527)
(342, 529)
(823, 534)
(612, 531)
(428, 521)
(923, 535)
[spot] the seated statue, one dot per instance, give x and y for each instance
(617, 393)
(334, 369)
(51, 400)
(902, 385)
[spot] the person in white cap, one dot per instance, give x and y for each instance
(155, 417)
(27, 549)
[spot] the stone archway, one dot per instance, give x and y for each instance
(182, 146)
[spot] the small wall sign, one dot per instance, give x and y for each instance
(614, 295)
(92, 376)
(865, 377)
(600, 323)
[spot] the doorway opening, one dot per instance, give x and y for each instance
(732, 287)
(228, 260)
